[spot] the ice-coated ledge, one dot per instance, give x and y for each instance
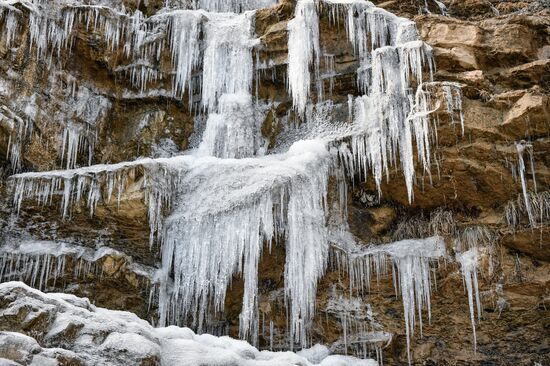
(40, 261)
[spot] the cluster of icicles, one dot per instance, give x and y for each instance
(215, 209)
(142, 41)
(44, 263)
(535, 205)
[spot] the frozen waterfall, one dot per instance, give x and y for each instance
(216, 209)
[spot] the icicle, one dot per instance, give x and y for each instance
(20, 130)
(303, 52)
(76, 140)
(47, 35)
(11, 26)
(540, 208)
(412, 259)
(443, 8)
(520, 147)
(185, 27)
(141, 73)
(41, 263)
(330, 73)
(468, 261)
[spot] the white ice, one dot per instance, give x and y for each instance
(468, 264)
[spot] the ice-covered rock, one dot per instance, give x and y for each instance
(66, 328)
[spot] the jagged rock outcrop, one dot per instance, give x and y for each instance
(498, 51)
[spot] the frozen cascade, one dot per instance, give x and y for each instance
(226, 202)
(411, 259)
(77, 139)
(228, 62)
(468, 264)
(267, 196)
(234, 131)
(232, 6)
(393, 64)
(303, 52)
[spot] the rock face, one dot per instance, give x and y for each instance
(90, 105)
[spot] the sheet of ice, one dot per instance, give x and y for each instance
(228, 62)
(233, 132)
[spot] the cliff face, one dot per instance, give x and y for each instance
(90, 101)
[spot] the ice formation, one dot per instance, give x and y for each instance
(410, 258)
(479, 238)
(266, 195)
(233, 132)
(20, 129)
(223, 52)
(521, 147)
(223, 6)
(361, 331)
(533, 205)
(76, 140)
(469, 263)
(393, 64)
(228, 62)
(44, 263)
(516, 209)
(185, 27)
(303, 52)
(442, 7)
(215, 210)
